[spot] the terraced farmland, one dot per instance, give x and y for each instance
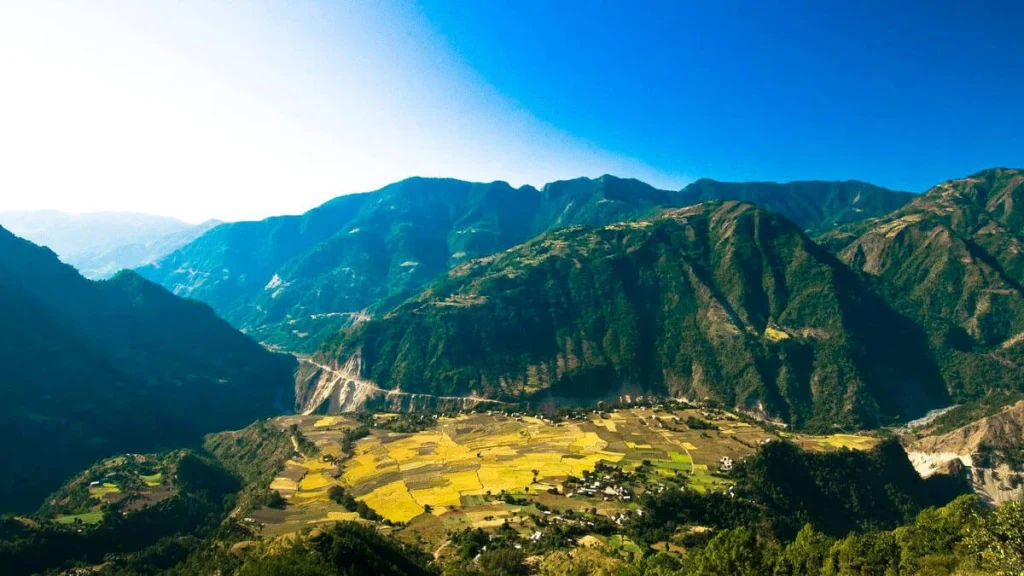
(453, 473)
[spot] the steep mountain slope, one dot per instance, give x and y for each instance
(991, 448)
(291, 281)
(101, 243)
(953, 259)
(718, 300)
(815, 206)
(88, 369)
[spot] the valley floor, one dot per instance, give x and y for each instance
(486, 470)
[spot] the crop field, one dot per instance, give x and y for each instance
(133, 480)
(456, 470)
(85, 518)
(99, 491)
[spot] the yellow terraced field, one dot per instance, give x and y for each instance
(283, 484)
(453, 466)
(438, 498)
(636, 446)
(476, 455)
(464, 481)
(393, 502)
(588, 442)
(104, 489)
(314, 481)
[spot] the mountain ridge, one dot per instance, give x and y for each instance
(291, 281)
(724, 300)
(92, 368)
(953, 259)
(99, 244)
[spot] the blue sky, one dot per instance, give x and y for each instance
(243, 110)
(902, 94)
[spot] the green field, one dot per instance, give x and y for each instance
(87, 518)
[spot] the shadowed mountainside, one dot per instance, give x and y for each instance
(89, 369)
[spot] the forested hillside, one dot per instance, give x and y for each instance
(291, 281)
(88, 369)
(953, 260)
(722, 300)
(814, 206)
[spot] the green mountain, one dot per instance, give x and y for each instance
(100, 244)
(89, 369)
(720, 300)
(291, 281)
(814, 206)
(953, 260)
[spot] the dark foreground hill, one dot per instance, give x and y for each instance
(89, 369)
(953, 260)
(720, 300)
(291, 281)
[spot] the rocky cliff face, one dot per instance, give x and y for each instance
(988, 452)
(324, 389)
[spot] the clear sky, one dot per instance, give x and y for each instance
(240, 110)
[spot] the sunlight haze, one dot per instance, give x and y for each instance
(245, 110)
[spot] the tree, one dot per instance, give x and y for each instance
(735, 552)
(864, 554)
(806, 554)
(336, 493)
(936, 534)
(503, 562)
(999, 539)
(275, 500)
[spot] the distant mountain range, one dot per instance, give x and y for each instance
(89, 369)
(720, 300)
(292, 281)
(724, 301)
(818, 303)
(102, 243)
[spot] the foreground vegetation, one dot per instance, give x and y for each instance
(315, 495)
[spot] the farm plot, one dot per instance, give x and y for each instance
(455, 471)
(441, 469)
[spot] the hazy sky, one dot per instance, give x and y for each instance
(245, 109)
